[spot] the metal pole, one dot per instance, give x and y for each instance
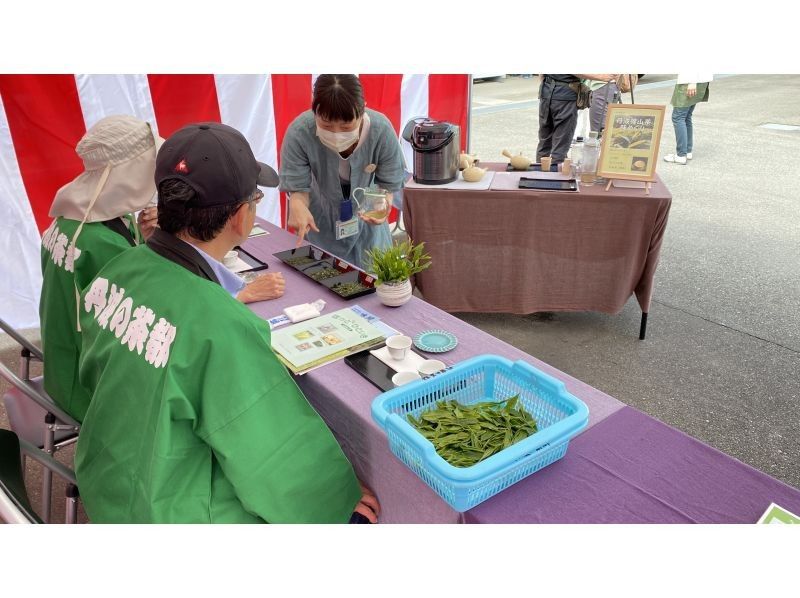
(72, 504)
(47, 475)
(25, 364)
(469, 115)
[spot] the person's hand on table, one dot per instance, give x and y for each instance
(691, 90)
(368, 506)
(148, 221)
(263, 288)
(300, 218)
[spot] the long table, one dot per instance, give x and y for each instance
(343, 398)
(523, 251)
(631, 468)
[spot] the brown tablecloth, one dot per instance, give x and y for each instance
(527, 251)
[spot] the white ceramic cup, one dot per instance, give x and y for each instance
(230, 258)
(430, 366)
(401, 378)
(398, 345)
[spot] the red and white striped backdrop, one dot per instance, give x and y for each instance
(42, 117)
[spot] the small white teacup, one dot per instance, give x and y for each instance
(401, 378)
(230, 258)
(398, 345)
(430, 366)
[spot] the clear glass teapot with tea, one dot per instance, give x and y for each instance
(374, 202)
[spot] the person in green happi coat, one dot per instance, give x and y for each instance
(192, 418)
(92, 223)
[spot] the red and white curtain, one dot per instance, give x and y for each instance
(42, 118)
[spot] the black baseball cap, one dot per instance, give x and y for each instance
(216, 161)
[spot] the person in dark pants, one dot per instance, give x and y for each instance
(558, 113)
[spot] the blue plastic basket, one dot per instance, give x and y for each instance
(559, 416)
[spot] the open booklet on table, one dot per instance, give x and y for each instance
(315, 342)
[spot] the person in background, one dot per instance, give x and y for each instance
(689, 91)
(330, 150)
(604, 92)
(93, 223)
(193, 419)
(558, 113)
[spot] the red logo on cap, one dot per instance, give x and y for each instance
(182, 167)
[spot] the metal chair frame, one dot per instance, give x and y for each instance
(12, 507)
(55, 420)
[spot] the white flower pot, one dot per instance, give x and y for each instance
(394, 294)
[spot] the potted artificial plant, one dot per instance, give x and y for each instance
(393, 267)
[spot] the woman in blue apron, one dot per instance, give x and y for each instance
(327, 153)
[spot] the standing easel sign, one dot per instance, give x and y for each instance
(630, 143)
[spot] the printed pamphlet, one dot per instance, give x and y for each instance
(309, 344)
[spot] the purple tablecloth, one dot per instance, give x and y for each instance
(625, 468)
(631, 468)
(343, 398)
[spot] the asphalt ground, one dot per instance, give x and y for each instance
(722, 356)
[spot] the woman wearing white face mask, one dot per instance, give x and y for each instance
(328, 152)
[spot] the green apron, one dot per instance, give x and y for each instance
(192, 417)
(64, 270)
(680, 99)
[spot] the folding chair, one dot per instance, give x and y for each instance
(14, 504)
(33, 415)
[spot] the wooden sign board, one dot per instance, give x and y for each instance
(630, 142)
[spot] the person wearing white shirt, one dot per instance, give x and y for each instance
(689, 91)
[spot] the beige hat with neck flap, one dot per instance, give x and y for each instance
(119, 157)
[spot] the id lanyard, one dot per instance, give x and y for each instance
(347, 224)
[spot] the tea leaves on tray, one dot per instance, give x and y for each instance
(300, 260)
(463, 435)
(323, 274)
(345, 289)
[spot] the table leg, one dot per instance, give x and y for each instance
(643, 326)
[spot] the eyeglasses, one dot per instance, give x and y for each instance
(256, 197)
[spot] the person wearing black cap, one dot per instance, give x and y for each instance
(210, 194)
(192, 416)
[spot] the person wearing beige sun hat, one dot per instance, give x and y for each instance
(92, 223)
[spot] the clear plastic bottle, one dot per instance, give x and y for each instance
(575, 150)
(590, 155)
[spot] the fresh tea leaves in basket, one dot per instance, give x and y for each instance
(463, 435)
